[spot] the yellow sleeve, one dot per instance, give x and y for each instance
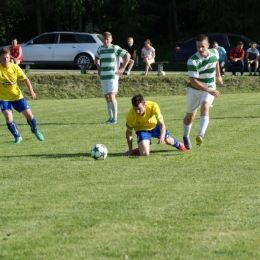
(157, 112)
(20, 74)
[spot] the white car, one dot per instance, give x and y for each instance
(62, 48)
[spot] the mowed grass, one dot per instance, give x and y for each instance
(59, 203)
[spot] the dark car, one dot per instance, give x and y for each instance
(184, 50)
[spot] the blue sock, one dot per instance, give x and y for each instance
(33, 125)
(13, 128)
(176, 143)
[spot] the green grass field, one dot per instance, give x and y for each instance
(59, 203)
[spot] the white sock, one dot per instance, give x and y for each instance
(114, 109)
(109, 109)
(186, 129)
(204, 121)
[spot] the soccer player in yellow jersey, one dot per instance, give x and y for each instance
(146, 119)
(11, 96)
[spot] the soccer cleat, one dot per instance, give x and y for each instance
(126, 73)
(182, 147)
(199, 139)
(187, 143)
(250, 74)
(18, 140)
(39, 136)
(108, 121)
(113, 121)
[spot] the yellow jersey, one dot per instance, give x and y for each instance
(9, 90)
(146, 122)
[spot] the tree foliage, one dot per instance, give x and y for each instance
(161, 21)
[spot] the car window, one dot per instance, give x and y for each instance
(67, 38)
(218, 38)
(85, 38)
(45, 39)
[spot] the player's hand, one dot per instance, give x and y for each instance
(32, 95)
(120, 71)
(214, 92)
(161, 141)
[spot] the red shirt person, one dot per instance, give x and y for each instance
(236, 56)
(16, 52)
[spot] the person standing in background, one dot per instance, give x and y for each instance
(109, 68)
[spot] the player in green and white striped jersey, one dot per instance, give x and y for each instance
(108, 65)
(201, 90)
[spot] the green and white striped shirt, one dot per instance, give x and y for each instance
(203, 69)
(109, 57)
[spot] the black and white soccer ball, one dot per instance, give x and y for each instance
(98, 152)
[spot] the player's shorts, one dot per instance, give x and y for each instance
(147, 135)
(19, 105)
(109, 86)
(196, 97)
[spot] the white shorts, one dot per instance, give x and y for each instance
(196, 97)
(109, 86)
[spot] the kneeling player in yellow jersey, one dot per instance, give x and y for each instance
(146, 119)
(11, 96)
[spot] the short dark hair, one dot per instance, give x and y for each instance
(137, 99)
(202, 37)
(4, 51)
(240, 43)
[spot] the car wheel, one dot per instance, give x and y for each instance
(83, 58)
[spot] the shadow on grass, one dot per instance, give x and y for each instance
(75, 155)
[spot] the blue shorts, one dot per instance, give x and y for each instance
(147, 135)
(19, 105)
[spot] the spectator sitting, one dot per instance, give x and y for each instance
(252, 56)
(132, 49)
(16, 52)
(222, 57)
(148, 55)
(237, 57)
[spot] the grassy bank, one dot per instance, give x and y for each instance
(77, 86)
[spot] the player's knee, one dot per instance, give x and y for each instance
(145, 153)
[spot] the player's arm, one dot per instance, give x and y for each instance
(129, 139)
(97, 62)
(126, 59)
(162, 131)
(28, 84)
(198, 85)
(218, 74)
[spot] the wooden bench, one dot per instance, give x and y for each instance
(27, 66)
(160, 65)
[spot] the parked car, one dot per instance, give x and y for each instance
(184, 50)
(62, 48)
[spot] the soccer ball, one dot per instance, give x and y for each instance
(162, 73)
(98, 152)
